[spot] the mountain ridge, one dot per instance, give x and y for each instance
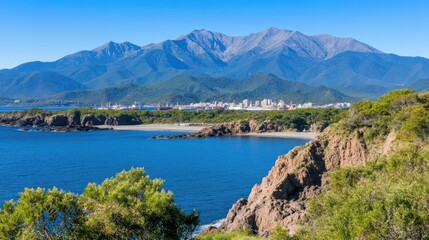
(290, 55)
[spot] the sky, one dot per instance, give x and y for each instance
(46, 30)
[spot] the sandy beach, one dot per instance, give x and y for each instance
(187, 128)
(156, 127)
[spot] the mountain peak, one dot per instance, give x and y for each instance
(335, 45)
(274, 30)
(201, 33)
(117, 50)
(115, 45)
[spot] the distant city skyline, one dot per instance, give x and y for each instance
(47, 30)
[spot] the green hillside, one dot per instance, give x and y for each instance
(420, 85)
(187, 89)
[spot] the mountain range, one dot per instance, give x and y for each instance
(343, 64)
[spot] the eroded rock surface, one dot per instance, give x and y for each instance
(57, 122)
(283, 195)
(69, 121)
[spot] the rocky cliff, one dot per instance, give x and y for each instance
(282, 196)
(74, 121)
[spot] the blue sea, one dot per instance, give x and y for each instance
(208, 175)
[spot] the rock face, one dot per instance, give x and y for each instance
(66, 119)
(282, 197)
(69, 121)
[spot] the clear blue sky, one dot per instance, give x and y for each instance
(47, 30)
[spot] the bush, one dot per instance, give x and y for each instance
(232, 235)
(280, 233)
(390, 112)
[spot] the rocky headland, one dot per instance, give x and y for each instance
(233, 128)
(66, 121)
(362, 137)
(282, 196)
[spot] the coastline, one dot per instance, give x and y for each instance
(155, 127)
(296, 135)
(193, 129)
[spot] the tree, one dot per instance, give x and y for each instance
(40, 214)
(128, 206)
(131, 206)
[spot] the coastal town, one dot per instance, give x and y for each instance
(244, 105)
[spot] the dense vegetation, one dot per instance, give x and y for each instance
(384, 200)
(291, 119)
(402, 111)
(128, 206)
(279, 233)
(233, 235)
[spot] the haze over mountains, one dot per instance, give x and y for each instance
(344, 64)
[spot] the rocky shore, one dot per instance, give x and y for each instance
(63, 129)
(231, 129)
(70, 121)
(75, 121)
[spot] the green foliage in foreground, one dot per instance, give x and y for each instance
(279, 233)
(233, 235)
(385, 200)
(128, 206)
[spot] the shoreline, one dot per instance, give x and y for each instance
(155, 127)
(290, 135)
(193, 129)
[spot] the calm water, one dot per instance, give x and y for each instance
(208, 175)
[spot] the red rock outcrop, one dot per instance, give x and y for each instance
(282, 197)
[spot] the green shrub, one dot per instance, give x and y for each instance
(385, 200)
(232, 235)
(280, 233)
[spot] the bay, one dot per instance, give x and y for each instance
(208, 175)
